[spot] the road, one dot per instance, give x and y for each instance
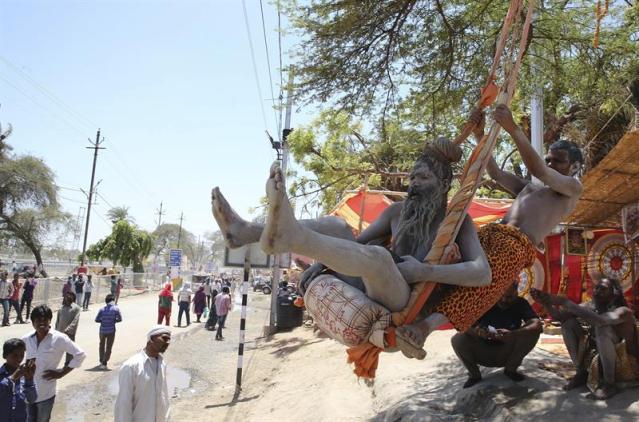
(87, 394)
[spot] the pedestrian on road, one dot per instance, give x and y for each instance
(14, 300)
(47, 347)
(108, 316)
(199, 302)
(6, 291)
(164, 304)
(118, 288)
(88, 289)
(79, 289)
(114, 284)
(143, 392)
(16, 382)
(223, 305)
(207, 292)
(184, 302)
(68, 318)
(27, 295)
(68, 286)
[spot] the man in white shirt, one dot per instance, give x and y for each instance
(184, 302)
(143, 395)
(48, 346)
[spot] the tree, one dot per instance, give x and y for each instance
(166, 236)
(29, 210)
(420, 64)
(116, 214)
(126, 245)
(341, 158)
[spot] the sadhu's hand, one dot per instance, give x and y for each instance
(452, 255)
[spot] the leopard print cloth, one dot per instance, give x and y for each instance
(509, 251)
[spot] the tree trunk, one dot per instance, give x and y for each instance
(38, 257)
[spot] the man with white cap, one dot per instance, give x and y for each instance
(143, 395)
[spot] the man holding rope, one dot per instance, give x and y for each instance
(509, 246)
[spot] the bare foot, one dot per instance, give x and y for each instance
(410, 340)
(233, 227)
(282, 230)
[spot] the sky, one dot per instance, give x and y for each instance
(170, 84)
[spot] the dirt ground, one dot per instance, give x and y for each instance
(302, 375)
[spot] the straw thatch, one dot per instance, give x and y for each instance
(613, 183)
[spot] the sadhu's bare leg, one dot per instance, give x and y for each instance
(283, 233)
(239, 232)
(417, 332)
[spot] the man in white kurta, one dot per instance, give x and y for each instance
(143, 395)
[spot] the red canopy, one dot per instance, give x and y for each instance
(370, 204)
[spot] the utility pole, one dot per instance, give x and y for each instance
(180, 231)
(96, 147)
(278, 258)
(160, 213)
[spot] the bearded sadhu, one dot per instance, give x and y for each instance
(359, 265)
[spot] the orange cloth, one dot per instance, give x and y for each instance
(488, 95)
(365, 356)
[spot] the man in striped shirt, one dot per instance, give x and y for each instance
(108, 316)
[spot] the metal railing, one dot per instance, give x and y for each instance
(49, 290)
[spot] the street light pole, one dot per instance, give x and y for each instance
(278, 258)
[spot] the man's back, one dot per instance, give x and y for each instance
(108, 316)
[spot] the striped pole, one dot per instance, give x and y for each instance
(240, 350)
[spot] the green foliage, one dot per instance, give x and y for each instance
(333, 150)
(29, 210)
(433, 56)
(126, 245)
(116, 214)
(412, 70)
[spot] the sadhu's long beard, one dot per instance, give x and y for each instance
(416, 222)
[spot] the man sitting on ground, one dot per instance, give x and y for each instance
(611, 321)
(499, 340)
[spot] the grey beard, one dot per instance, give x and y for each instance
(415, 220)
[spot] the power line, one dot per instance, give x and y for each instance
(257, 79)
(270, 76)
(71, 200)
(66, 108)
(104, 199)
(33, 100)
(281, 69)
(82, 119)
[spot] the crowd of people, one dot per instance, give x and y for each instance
(28, 386)
(211, 301)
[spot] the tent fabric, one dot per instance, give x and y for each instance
(482, 211)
